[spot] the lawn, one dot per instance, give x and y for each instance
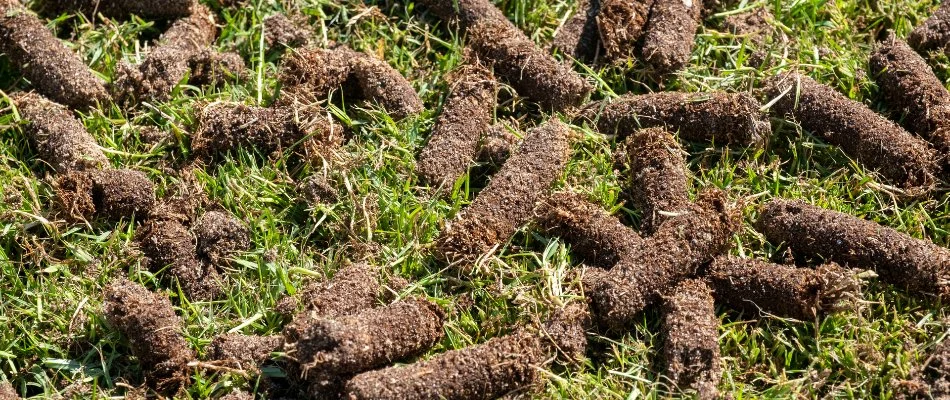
(55, 342)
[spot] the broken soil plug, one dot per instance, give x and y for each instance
(110, 194)
(354, 288)
(621, 24)
(244, 352)
(934, 33)
(119, 9)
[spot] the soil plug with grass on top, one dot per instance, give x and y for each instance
(465, 13)
(509, 199)
(578, 37)
(670, 34)
(119, 9)
(466, 115)
(54, 70)
(934, 33)
(313, 72)
(354, 288)
(784, 291)
(726, 118)
(153, 331)
(920, 267)
(59, 138)
(690, 331)
(861, 133)
(621, 23)
(212, 68)
(658, 179)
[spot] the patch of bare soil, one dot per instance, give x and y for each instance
(920, 267)
(485, 371)
(466, 115)
(657, 176)
(496, 145)
(578, 37)
(932, 379)
(220, 235)
(52, 68)
(934, 33)
(785, 291)
(620, 24)
(7, 392)
(878, 143)
(911, 88)
(726, 118)
(212, 68)
(690, 331)
(531, 71)
(354, 288)
(243, 352)
(153, 331)
(599, 238)
(509, 200)
(59, 138)
(680, 246)
(111, 194)
(670, 34)
(119, 9)
(281, 30)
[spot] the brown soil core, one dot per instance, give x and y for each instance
(465, 13)
(932, 379)
(120, 9)
(658, 179)
(243, 351)
(354, 288)
(621, 24)
(381, 83)
(59, 138)
(496, 145)
(213, 68)
(578, 37)
(691, 339)
(220, 235)
(670, 34)
(934, 33)
(7, 392)
(283, 31)
(111, 194)
(166, 242)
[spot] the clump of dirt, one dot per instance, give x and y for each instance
(754, 23)
(59, 138)
(565, 332)
(532, 72)
(785, 291)
(282, 31)
(658, 179)
(220, 235)
(910, 87)
(932, 379)
(243, 351)
(934, 33)
(381, 83)
(327, 351)
(578, 37)
(465, 13)
(237, 394)
(680, 246)
(485, 371)
(873, 140)
(621, 24)
(670, 34)
(317, 189)
(726, 118)
(691, 339)
(153, 331)
(316, 72)
(920, 267)
(53, 69)
(599, 238)
(509, 199)
(119, 9)
(167, 242)
(110, 194)
(496, 145)
(7, 392)
(210, 67)
(352, 289)
(466, 114)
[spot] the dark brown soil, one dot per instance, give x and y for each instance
(167, 243)
(465, 13)
(909, 86)
(466, 115)
(690, 331)
(934, 33)
(670, 34)
(153, 331)
(658, 179)
(111, 194)
(485, 371)
(509, 200)
(680, 246)
(565, 332)
(599, 238)
(213, 68)
(932, 379)
(283, 31)
(754, 23)
(220, 235)
(314, 72)
(578, 37)
(119, 9)
(59, 138)
(327, 350)
(726, 118)
(354, 288)
(243, 351)
(784, 291)
(861, 133)
(531, 71)
(317, 189)
(496, 145)
(621, 24)
(918, 266)
(381, 83)
(53, 69)
(7, 392)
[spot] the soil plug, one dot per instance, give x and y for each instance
(59, 138)
(621, 23)
(578, 37)
(220, 235)
(670, 34)
(243, 351)
(168, 243)
(353, 289)
(381, 83)
(282, 31)
(120, 9)
(111, 194)
(934, 33)
(691, 339)
(658, 176)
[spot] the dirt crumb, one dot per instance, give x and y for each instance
(119, 9)
(726, 118)
(153, 331)
(690, 329)
(381, 83)
(657, 176)
(485, 371)
(243, 351)
(213, 68)
(168, 244)
(621, 24)
(111, 194)
(220, 235)
(920, 267)
(54, 70)
(508, 201)
(755, 23)
(784, 291)
(934, 33)
(466, 115)
(496, 144)
(281, 30)
(670, 34)
(932, 379)
(58, 136)
(578, 37)
(352, 289)
(7, 392)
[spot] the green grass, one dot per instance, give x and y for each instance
(54, 341)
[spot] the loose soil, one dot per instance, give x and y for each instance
(283, 31)
(909, 86)
(934, 33)
(354, 288)
(690, 331)
(784, 291)
(167, 243)
(220, 235)
(317, 189)
(565, 333)
(726, 118)
(578, 37)
(485, 371)
(932, 379)
(680, 246)
(153, 331)
(861, 133)
(466, 115)
(753, 23)
(920, 267)
(7, 392)
(213, 68)
(381, 83)
(531, 71)
(496, 145)
(59, 138)
(658, 179)
(119, 9)
(465, 13)
(509, 199)
(52, 68)
(313, 73)
(110, 194)
(597, 237)
(621, 24)
(243, 351)
(670, 34)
